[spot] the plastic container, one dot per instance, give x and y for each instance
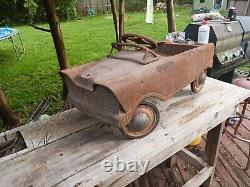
(196, 141)
(203, 34)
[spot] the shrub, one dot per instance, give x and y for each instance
(33, 10)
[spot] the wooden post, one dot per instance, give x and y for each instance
(170, 15)
(90, 4)
(57, 37)
(212, 149)
(121, 19)
(247, 7)
(114, 13)
(10, 120)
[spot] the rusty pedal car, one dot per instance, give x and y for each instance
(116, 90)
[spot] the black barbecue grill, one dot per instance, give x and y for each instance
(232, 45)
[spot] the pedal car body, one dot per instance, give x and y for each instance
(115, 90)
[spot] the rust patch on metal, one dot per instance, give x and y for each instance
(111, 89)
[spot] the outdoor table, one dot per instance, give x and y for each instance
(71, 149)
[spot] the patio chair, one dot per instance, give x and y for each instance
(91, 11)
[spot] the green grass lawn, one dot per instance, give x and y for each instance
(28, 81)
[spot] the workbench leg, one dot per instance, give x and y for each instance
(212, 149)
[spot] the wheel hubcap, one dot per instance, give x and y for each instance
(143, 118)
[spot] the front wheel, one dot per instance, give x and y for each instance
(145, 119)
(198, 83)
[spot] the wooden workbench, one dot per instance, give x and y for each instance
(69, 149)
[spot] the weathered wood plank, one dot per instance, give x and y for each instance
(233, 169)
(77, 159)
(212, 149)
(225, 178)
(216, 182)
(56, 127)
(192, 159)
(198, 179)
(185, 170)
(235, 151)
(38, 134)
(123, 179)
(222, 171)
(176, 175)
(147, 182)
(43, 132)
(157, 177)
(173, 176)
(245, 123)
(242, 131)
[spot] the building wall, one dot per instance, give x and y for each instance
(242, 6)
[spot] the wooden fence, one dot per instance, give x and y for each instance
(98, 5)
(101, 6)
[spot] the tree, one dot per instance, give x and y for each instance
(56, 33)
(170, 15)
(10, 120)
(114, 13)
(121, 18)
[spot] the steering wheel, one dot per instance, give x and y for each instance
(139, 39)
(147, 53)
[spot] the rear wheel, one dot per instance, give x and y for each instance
(197, 84)
(145, 119)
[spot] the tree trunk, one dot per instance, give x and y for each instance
(114, 13)
(57, 38)
(170, 15)
(10, 120)
(121, 19)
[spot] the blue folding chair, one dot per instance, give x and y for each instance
(9, 33)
